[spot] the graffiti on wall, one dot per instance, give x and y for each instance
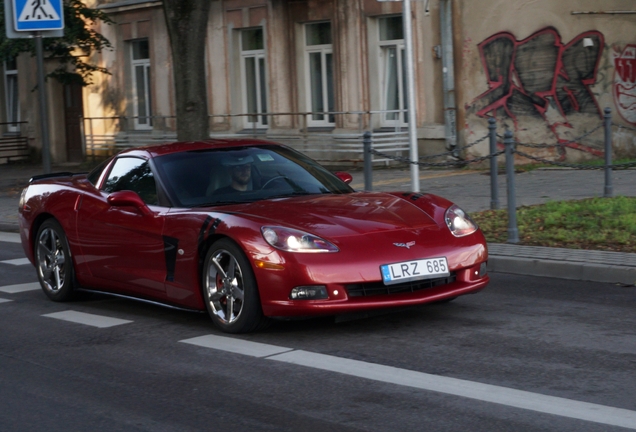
(541, 76)
(625, 83)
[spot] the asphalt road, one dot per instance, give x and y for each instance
(526, 354)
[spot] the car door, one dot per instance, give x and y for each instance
(121, 239)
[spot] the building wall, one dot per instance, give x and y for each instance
(546, 71)
(526, 62)
(111, 95)
(30, 109)
(355, 51)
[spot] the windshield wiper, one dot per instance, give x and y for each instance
(291, 194)
(220, 203)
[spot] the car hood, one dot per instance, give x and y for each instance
(341, 215)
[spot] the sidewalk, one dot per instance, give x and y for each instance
(471, 191)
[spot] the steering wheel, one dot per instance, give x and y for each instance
(278, 177)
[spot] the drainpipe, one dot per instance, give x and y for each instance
(448, 69)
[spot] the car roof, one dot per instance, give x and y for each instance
(176, 147)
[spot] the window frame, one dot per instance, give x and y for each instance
(323, 50)
(146, 65)
(12, 101)
(383, 52)
(260, 83)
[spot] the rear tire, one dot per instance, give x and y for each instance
(53, 262)
(229, 289)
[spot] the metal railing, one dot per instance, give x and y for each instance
(104, 136)
(326, 143)
(511, 149)
(13, 145)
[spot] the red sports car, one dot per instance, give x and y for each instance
(247, 229)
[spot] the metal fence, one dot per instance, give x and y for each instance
(512, 148)
(104, 136)
(13, 145)
(108, 135)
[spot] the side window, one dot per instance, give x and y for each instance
(134, 174)
(96, 173)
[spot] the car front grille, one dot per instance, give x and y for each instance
(378, 288)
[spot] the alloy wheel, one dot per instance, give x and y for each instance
(225, 286)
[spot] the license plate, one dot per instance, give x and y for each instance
(414, 270)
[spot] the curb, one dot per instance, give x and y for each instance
(11, 228)
(563, 269)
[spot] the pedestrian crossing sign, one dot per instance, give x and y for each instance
(38, 15)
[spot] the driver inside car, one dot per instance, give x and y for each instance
(240, 172)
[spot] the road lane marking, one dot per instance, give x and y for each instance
(237, 346)
(4, 300)
(17, 262)
(87, 319)
(12, 289)
(9, 237)
(469, 389)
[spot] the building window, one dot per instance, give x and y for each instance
(12, 100)
(319, 67)
(142, 103)
(253, 82)
(393, 73)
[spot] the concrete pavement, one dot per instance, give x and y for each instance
(471, 191)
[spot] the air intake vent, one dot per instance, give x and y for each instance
(378, 288)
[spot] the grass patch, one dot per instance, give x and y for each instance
(596, 224)
(521, 168)
(601, 162)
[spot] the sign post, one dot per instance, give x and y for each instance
(37, 19)
(44, 114)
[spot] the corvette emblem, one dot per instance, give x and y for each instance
(405, 245)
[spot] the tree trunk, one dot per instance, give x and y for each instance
(187, 27)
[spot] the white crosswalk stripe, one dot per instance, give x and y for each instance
(12, 289)
(4, 300)
(16, 262)
(9, 237)
(93, 320)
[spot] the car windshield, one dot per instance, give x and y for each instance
(243, 174)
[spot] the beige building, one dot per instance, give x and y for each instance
(317, 73)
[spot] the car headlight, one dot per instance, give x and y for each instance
(292, 240)
(458, 222)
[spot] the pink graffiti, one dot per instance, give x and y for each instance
(626, 96)
(625, 83)
(541, 73)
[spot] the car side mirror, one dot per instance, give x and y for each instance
(128, 199)
(344, 176)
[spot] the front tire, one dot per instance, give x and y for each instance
(53, 262)
(229, 289)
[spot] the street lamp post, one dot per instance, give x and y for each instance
(410, 94)
(411, 111)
